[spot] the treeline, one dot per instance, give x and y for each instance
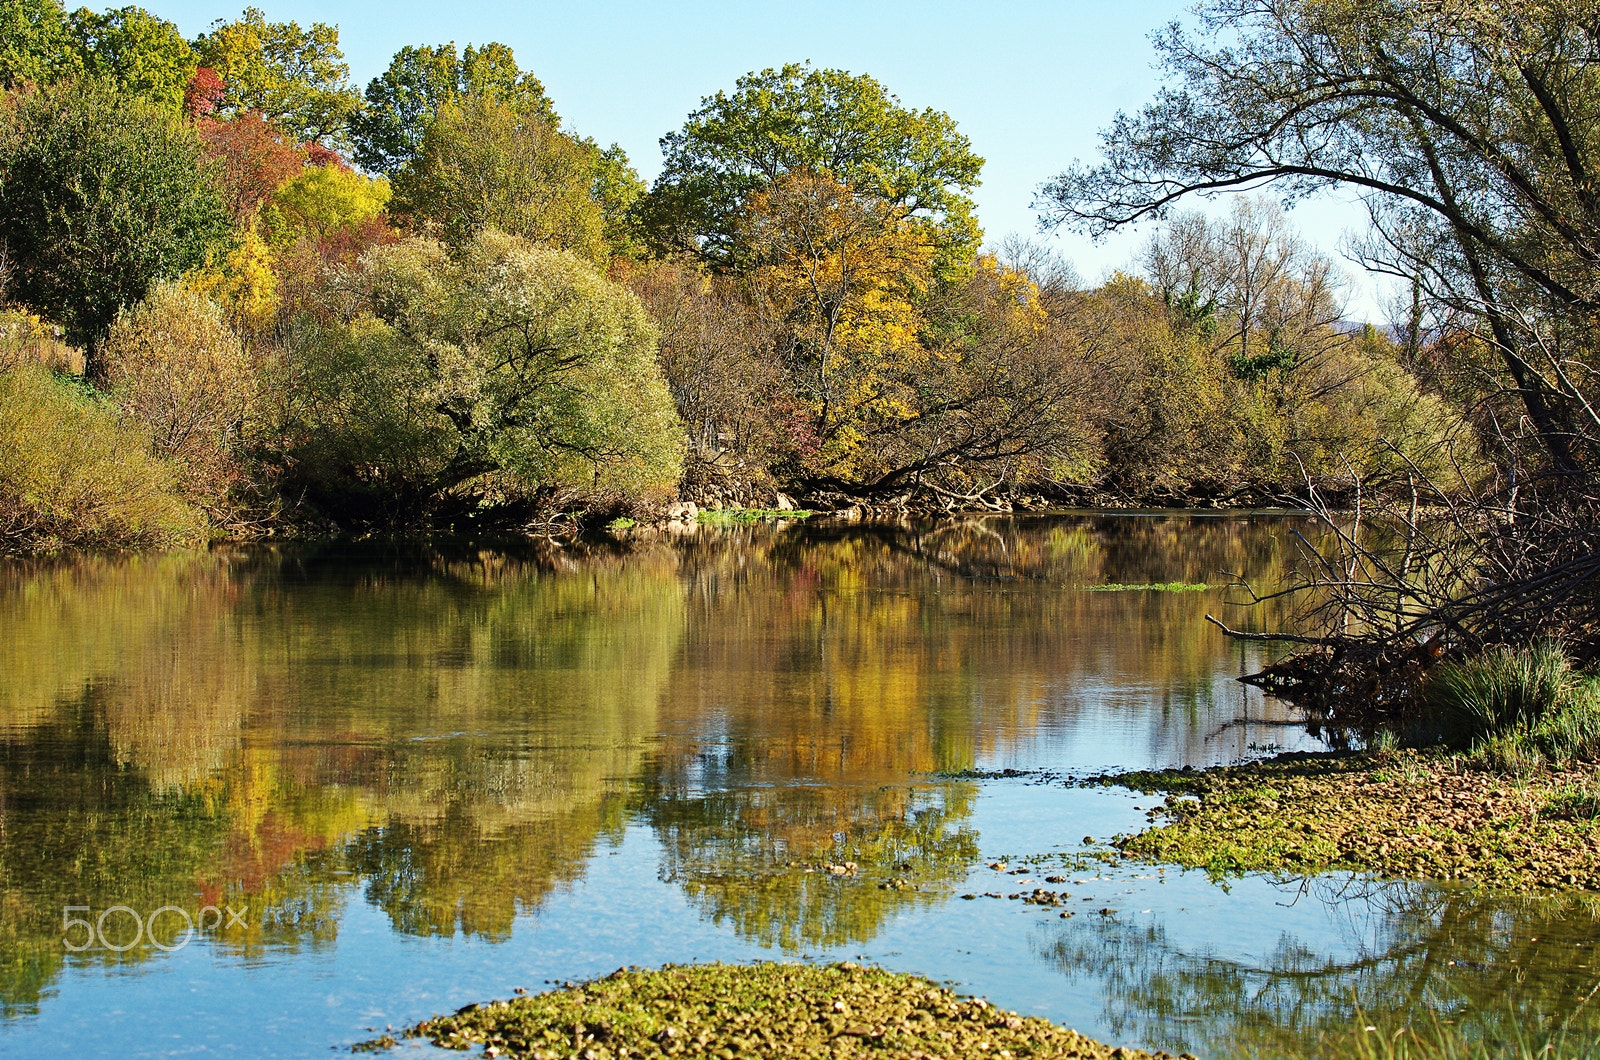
(242, 295)
(1469, 130)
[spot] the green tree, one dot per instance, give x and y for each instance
(618, 189)
(402, 101)
(322, 201)
(500, 374)
(146, 56)
(296, 77)
(484, 164)
(35, 44)
(827, 122)
(99, 196)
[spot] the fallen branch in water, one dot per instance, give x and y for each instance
(1239, 634)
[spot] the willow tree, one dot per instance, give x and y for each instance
(495, 376)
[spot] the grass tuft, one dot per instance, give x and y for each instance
(1518, 708)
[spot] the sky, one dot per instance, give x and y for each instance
(1030, 83)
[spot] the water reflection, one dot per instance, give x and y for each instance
(1498, 969)
(449, 735)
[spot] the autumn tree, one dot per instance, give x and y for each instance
(828, 123)
(721, 363)
(904, 386)
(484, 164)
(323, 202)
(1268, 300)
(254, 159)
(296, 78)
(840, 273)
(402, 101)
(100, 195)
(493, 377)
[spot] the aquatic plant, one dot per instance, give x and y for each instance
(746, 516)
(770, 1009)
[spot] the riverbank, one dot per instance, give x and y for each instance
(1395, 814)
(770, 1009)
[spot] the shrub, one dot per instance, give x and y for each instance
(176, 367)
(27, 340)
(74, 475)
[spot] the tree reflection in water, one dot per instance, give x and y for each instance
(456, 728)
(1496, 968)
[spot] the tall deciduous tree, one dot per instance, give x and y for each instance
(99, 196)
(35, 43)
(842, 273)
(402, 101)
(254, 159)
(827, 122)
(134, 49)
(296, 77)
(485, 164)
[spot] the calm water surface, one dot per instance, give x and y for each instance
(386, 782)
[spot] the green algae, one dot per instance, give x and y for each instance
(1401, 815)
(768, 1010)
(747, 516)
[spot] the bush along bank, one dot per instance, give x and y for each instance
(771, 1009)
(1504, 793)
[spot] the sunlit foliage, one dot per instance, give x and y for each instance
(297, 78)
(505, 370)
(845, 127)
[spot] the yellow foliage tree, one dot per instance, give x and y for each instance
(243, 281)
(842, 274)
(323, 201)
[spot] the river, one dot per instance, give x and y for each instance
(266, 801)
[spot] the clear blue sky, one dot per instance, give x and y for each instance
(1030, 83)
